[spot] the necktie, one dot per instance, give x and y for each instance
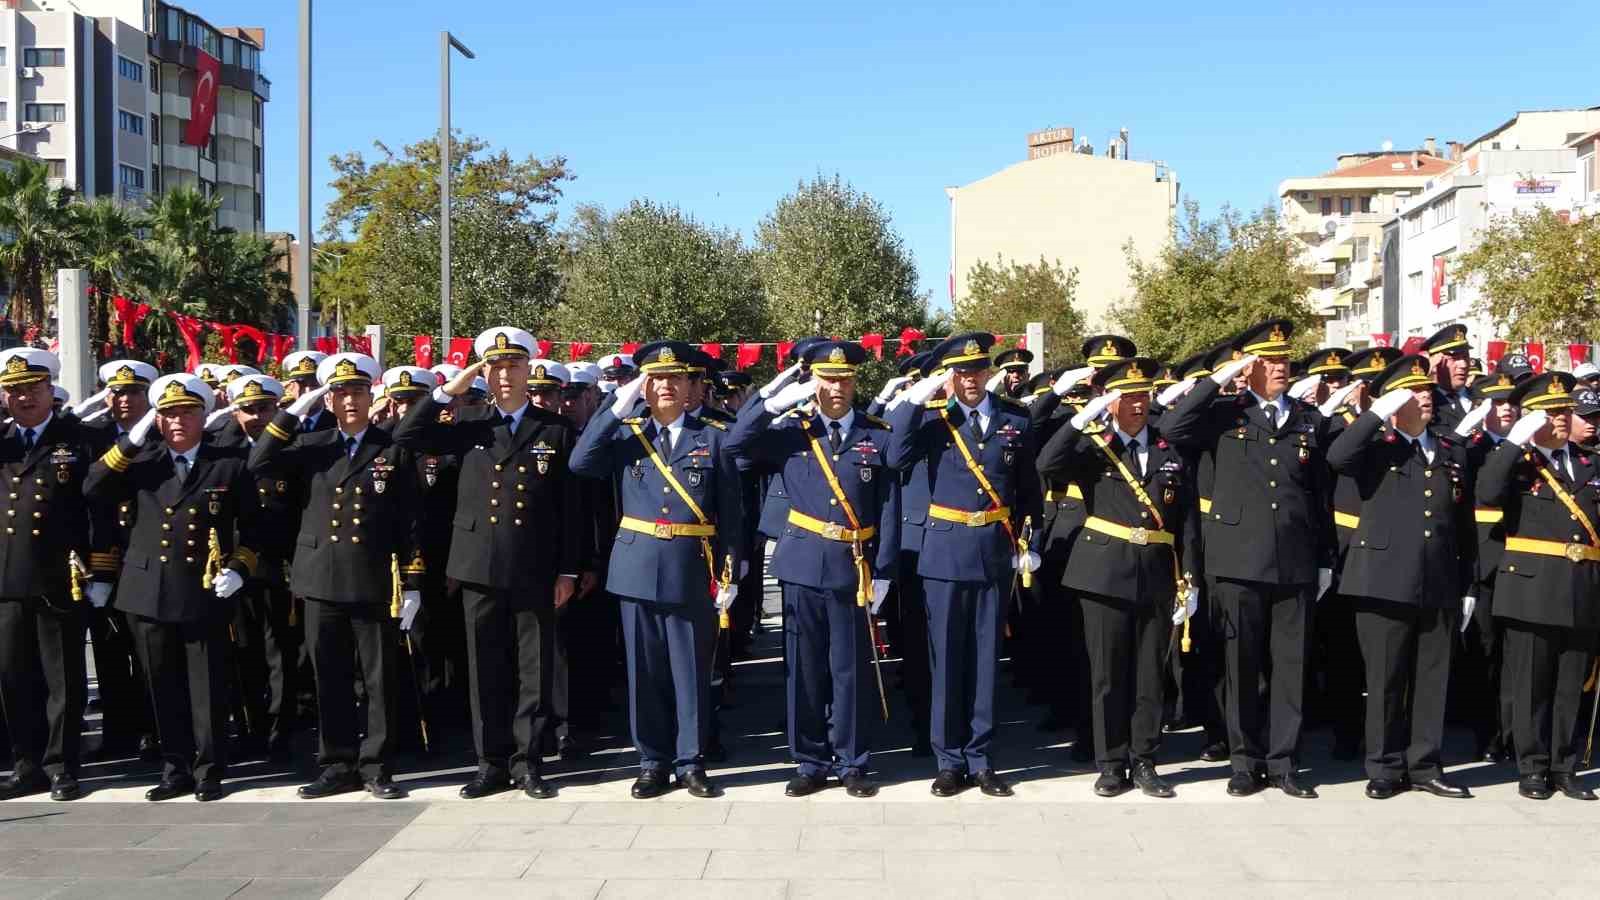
(1560, 459)
(309, 423)
(834, 437)
(350, 448)
(1271, 409)
(977, 427)
(508, 421)
(27, 440)
(181, 463)
(666, 442)
(1422, 454)
(1133, 455)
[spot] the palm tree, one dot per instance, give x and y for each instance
(35, 220)
(106, 235)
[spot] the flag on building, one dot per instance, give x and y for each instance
(203, 105)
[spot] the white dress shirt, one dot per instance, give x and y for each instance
(983, 412)
(1566, 459)
(1143, 437)
(1281, 409)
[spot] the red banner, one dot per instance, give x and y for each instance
(1535, 352)
(1579, 354)
(1438, 280)
(783, 352)
(326, 345)
(908, 341)
(203, 105)
(746, 356)
(227, 349)
(578, 350)
(358, 343)
(1414, 344)
(630, 347)
(712, 350)
(1492, 352)
(191, 329)
(130, 314)
(544, 348)
(873, 342)
(1381, 339)
(422, 350)
(255, 335)
(282, 345)
(460, 352)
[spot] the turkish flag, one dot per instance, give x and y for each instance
(1414, 344)
(783, 352)
(460, 352)
(1382, 339)
(712, 350)
(747, 356)
(873, 341)
(908, 341)
(577, 350)
(203, 105)
(422, 349)
(1438, 280)
(358, 343)
(1535, 351)
(629, 347)
(192, 330)
(1492, 353)
(328, 345)
(1579, 354)
(544, 348)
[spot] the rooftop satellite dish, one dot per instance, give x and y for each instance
(1388, 146)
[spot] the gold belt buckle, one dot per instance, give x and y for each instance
(1138, 536)
(974, 519)
(833, 531)
(1577, 552)
(664, 531)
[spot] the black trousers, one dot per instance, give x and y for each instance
(1339, 652)
(1265, 631)
(43, 683)
(1482, 698)
(125, 714)
(342, 636)
(266, 651)
(915, 673)
(1197, 675)
(438, 655)
(1545, 666)
(511, 658)
(1124, 644)
(1407, 651)
(592, 658)
(186, 672)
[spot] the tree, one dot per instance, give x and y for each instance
(650, 272)
(1006, 296)
(35, 220)
(1216, 278)
(1537, 275)
(505, 255)
(105, 239)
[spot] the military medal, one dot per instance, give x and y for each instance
(694, 478)
(1169, 496)
(543, 465)
(866, 474)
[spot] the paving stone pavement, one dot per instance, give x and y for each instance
(1054, 839)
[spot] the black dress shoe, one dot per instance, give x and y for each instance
(536, 787)
(804, 785)
(485, 784)
(1244, 784)
(859, 786)
(14, 787)
(167, 790)
(1570, 786)
(698, 785)
(949, 783)
(1217, 751)
(329, 784)
(992, 785)
(1292, 787)
(1441, 788)
(384, 788)
(650, 784)
(1112, 783)
(1151, 784)
(64, 787)
(208, 790)
(1534, 787)
(1495, 751)
(1382, 788)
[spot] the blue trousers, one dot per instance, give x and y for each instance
(669, 681)
(829, 686)
(963, 653)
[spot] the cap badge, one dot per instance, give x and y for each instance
(500, 341)
(405, 379)
(173, 391)
(972, 348)
(123, 374)
(1277, 333)
(539, 372)
(253, 389)
(666, 355)
(344, 368)
(836, 355)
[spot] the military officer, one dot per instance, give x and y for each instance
(512, 550)
(1451, 358)
(186, 490)
(43, 683)
(1548, 578)
(546, 378)
(356, 551)
(1132, 564)
(1267, 543)
(1408, 571)
(730, 390)
(299, 377)
(210, 374)
(616, 370)
(676, 553)
(1013, 365)
(983, 488)
(1586, 418)
(837, 555)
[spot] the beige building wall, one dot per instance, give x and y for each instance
(1538, 130)
(1071, 207)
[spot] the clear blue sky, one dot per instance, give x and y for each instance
(722, 107)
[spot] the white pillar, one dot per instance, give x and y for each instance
(72, 315)
(375, 335)
(1036, 347)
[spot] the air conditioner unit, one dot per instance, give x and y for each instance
(28, 72)
(1304, 196)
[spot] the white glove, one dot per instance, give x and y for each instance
(995, 380)
(1522, 432)
(923, 390)
(94, 402)
(99, 594)
(1324, 581)
(306, 402)
(1173, 392)
(1227, 373)
(627, 397)
(1390, 403)
(1473, 419)
(880, 590)
(1468, 604)
(221, 414)
(776, 384)
(890, 386)
(726, 596)
(410, 603)
(1337, 398)
(1094, 409)
(791, 396)
(1027, 561)
(1071, 379)
(608, 387)
(1305, 386)
(141, 429)
(1191, 605)
(104, 411)
(227, 583)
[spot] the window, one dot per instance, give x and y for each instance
(44, 112)
(2, 110)
(210, 149)
(129, 177)
(41, 56)
(155, 129)
(1366, 204)
(258, 154)
(172, 29)
(1327, 205)
(1344, 206)
(230, 52)
(1586, 165)
(132, 123)
(129, 69)
(258, 206)
(155, 179)
(1413, 225)
(1444, 210)
(1362, 249)
(207, 188)
(256, 112)
(1414, 286)
(2, 56)
(155, 78)
(56, 167)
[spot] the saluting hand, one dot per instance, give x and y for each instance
(1305, 387)
(791, 396)
(892, 385)
(1233, 369)
(627, 396)
(1094, 409)
(1338, 398)
(220, 414)
(1071, 379)
(1171, 394)
(1527, 426)
(1391, 403)
(459, 385)
(141, 429)
(307, 401)
(783, 378)
(1473, 419)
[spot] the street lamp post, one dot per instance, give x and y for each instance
(302, 267)
(446, 41)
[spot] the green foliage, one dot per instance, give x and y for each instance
(1218, 277)
(1004, 297)
(1537, 275)
(36, 220)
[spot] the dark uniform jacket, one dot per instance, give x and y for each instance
(1346, 497)
(1447, 409)
(280, 494)
(359, 516)
(516, 498)
(170, 535)
(1266, 517)
(1416, 544)
(1064, 511)
(1536, 588)
(46, 516)
(670, 570)
(804, 557)
(956, 551)
(1489, 519)
(1110, 566)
